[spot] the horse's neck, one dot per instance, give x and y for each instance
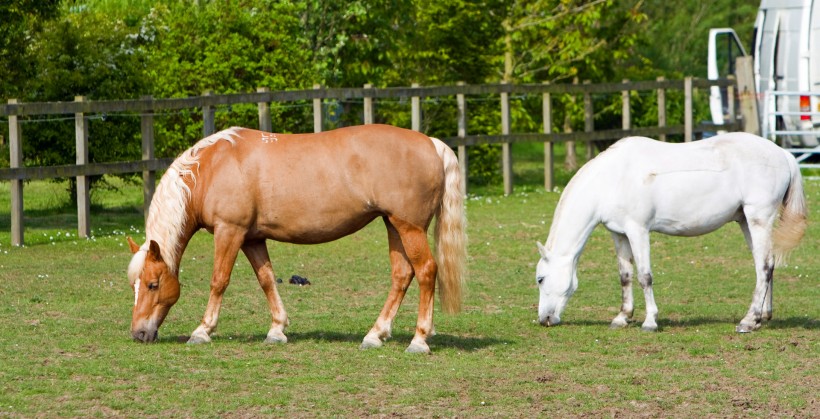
(170, 224)
(572, 225)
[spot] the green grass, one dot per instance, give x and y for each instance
(66, 306)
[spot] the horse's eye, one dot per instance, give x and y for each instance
(540, 279)
(152, 286)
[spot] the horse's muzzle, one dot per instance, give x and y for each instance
(549, 321)
(144, 336)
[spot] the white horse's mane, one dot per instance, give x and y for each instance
(167, 214)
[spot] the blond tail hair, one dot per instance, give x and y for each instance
(451, 240)
(793, 217)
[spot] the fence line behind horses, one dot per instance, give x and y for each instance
(208, 102)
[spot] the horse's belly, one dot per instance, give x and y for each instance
(693, 219)
(310, 227)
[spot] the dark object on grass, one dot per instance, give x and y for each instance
(298, 280)
(278, 280)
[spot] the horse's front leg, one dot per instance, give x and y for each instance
(624, 254)
(227, 241)
(401, 275)
(257, 254)
(758, 237)
(640, 250)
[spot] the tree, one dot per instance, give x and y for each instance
(675, 41)
(87, 54)
(20, 21)
(225, 47)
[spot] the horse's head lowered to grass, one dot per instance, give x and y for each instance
(156, 290)
(557, 282)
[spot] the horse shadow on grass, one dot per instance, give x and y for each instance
(792, 322)
(470, 343)
(441, 340)
(461, 343)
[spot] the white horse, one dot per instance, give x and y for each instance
(640, 185)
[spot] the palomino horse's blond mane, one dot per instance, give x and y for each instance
(167, 214)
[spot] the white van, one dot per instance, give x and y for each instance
(786, 50)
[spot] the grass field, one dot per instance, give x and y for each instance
(65, 347)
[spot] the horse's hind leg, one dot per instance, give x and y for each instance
(401, 275)
(257, 254)
(414, 240)
(227, 241)
(624, 253)
(758, 233)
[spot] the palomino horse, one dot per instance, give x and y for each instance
(246, 186)
(640, 185)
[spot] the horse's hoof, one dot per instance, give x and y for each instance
(745, 328)
(198, 339)
(274, 338)
(370, 344)
(416, 348)
(618, 325)
(653, 328)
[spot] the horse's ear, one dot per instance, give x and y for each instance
(153, 251)
(134, 247)
(542, 250)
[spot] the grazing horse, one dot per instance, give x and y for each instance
(246, 186)
(640, 185)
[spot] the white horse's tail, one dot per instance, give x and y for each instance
(451, 241)
(793, 215)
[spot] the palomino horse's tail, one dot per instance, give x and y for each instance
(792, 224)
(451, 241)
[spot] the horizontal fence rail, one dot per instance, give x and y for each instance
(147, 104)
(146, 107)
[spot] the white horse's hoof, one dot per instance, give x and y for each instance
(745, 328)
(198, 339)
(616, 324)
(369, 343)
(649, 328)
(416, 348)
(276, 337)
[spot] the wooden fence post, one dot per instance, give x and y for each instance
(589, 119)
(730, 96)
(661, 109)
(415, 111)
(462, 132)
(748, 95)
(317, 111)
(15, 161)
(208, 117)
(626, 113)
(549, 163)
(687, 109)
(83, 199)
(506, 155)
(265, 123)
(149, 177)
(368, 105)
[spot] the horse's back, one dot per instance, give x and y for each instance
(688, 188)
(309, 188)
(741, 154)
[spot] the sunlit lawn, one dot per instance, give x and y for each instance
(66, 350)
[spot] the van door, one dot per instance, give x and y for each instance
(724, 48)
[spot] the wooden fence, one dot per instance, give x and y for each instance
(147, 106)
